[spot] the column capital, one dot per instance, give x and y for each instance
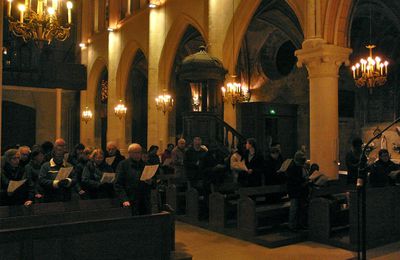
(322, 59)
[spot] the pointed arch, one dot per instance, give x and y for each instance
(94, 77)
(124, 66)
(172, 42)
(337, 22)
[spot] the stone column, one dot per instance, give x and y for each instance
(157, 124)
(323, 61)
(58, 112)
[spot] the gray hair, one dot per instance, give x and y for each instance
(134, 146)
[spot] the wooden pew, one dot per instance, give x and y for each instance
(223, 207)
(255, 216)
(196, 205)
(176, 195)
(138, 237)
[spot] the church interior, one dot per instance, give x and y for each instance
(200, 129)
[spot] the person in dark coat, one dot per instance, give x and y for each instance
(254, 162)
(47, 148)
(381, 170)
(32, 170)
(273, 163)
(25, 154)
(113, 151)
(297, 188)
(353, 161)
(13, 171)
(73, 157)
(153, 157)
(131, 191)
(83, 159)
(92, 175)
(192, 162)
(56, 190)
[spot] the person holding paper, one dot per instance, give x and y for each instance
(193, 162)
(273, 163)
(177, 157)
(113, 155)
(93, 181)
(18, 189)
(238, 165)
(130, 190)
(57, 177)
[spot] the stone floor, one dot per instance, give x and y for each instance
(204, 244)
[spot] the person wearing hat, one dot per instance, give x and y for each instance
(297, 181)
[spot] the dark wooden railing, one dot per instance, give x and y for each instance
(214, 131)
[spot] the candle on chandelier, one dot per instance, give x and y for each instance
(55, 4)
(386, 64)
(39, 7)
(353, 68)
(9, 7)
(21, 8)
(69, 6)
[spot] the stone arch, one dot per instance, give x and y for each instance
(124, 66)
(93, 80)
(243, 13)
(337, 22)
(172, 42)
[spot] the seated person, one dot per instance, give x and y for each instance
(32, 170)
(13, 171)
(56, 190)
(381, 169)
(92, 177)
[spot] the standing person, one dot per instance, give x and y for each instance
(178, 157)
(381, 169)
(73, 157)
(113, 151)
(273, 163)
(92, 175)
(32, 170)
(297, 181)
(131, 191)
(237, 164)
(82, 160)
(166, 160)
(47, 148)
(25, 154)
(353, 160)
(56, 190)
(13, 171)
(254, 163)
(193, 158)
(153, 157)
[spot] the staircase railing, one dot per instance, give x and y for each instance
(213, 130)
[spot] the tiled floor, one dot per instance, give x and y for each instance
(204, 244)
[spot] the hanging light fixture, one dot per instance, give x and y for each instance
(87, 115)
(370, 72)
(41, 25)
(120, 110)
(234, 92)
(165, 101)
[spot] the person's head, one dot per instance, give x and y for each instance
(251, 143)
(170, 147)
(24, 152)
(196, 143)
(135, 152)
(153, 150)
(181, 143)
(112, 148)
(97, 156)
(314, 167)
(78, 150)
(86, 154)
(357, 143)
(37, 155)
(12, 156)
(299, 158)
(58, 154)
(275, 150)
(47, 147)
(384, 155)
(61, 143)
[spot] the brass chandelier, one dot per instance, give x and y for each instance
(164, 102)
(43, 24)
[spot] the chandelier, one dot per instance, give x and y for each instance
(235, 92)
(370, 72)
(120, 110)
(87, 115)
(42, 24)
(164, 102)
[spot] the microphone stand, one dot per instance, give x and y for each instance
(361, 193)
